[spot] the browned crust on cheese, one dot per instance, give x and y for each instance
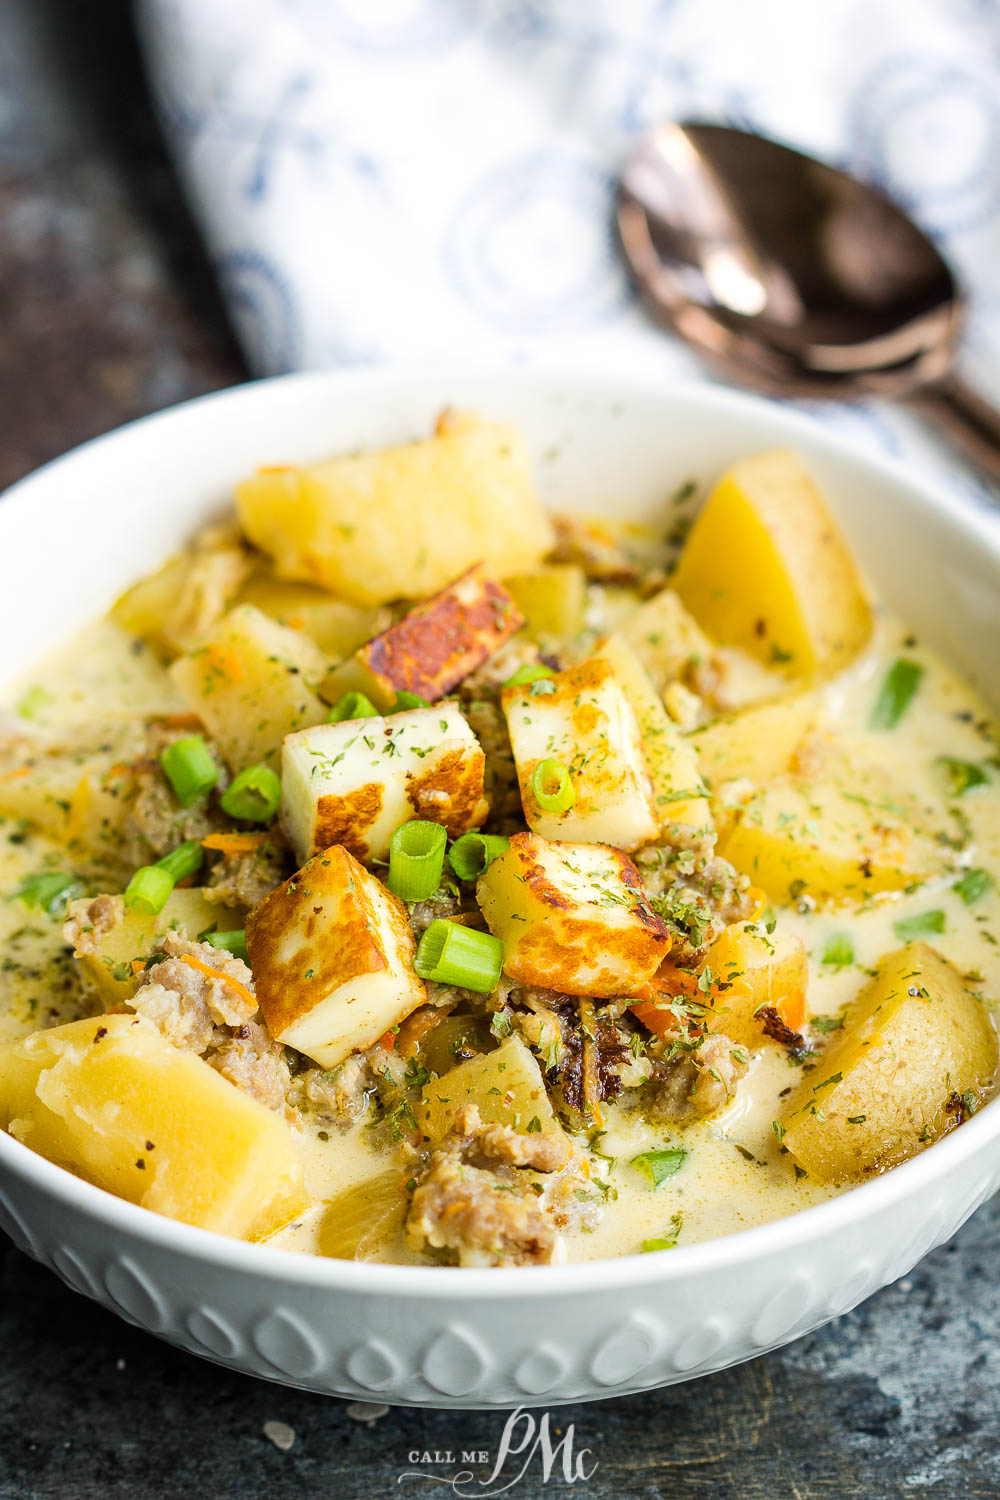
(539, 957)
(329, 952)
(450, 792)
(433, 647)
(346, 819)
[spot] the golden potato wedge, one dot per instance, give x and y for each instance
(108, 939)
(552, 600)
(916, 1052)
(572, 917)
(671, 758)
(839, 837)
(110, 1098)
(332, 958)
(766, 569)
(666, 638)
(337, 627)
(250, 683)
(757, 743)
(433, 647)
(402, 522)
(505, 1085)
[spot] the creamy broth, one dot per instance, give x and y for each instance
(736, 1174)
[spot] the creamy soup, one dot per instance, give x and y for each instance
(606, 1024)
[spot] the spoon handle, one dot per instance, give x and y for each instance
(968, 420)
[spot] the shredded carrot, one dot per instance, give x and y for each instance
(225, 661)
(13, 775)
(659, 1021)
(792, 1009)
(237, 843)
(388, 1040)
(120, 768)
(759, 899)
(210, 973)
(137, 965)
(296, 623)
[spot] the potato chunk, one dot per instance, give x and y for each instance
(432, 648)
(110, 1098)
(838, 837)
(667, 640)
(338, 628)
(353, 783)
(506, 1087)
(552, 600)
(914, 1043)
(671, 759)
(249, 685)
(332, 958)
(582, 719)
(751, 969)
(402, 522)
(572, 917)
(757, 743)
(108, 937)
(766, 569)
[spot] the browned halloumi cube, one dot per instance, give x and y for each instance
(582, 719)
(353, 783)
(572, 917)
(432, 648)
(332, 958)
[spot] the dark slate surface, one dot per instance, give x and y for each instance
(107, 310)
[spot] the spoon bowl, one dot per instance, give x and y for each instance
(795, 278)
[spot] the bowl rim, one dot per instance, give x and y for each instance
(452, 1283)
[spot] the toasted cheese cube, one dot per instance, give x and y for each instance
(332, 957)
(112, 1099)
(671, 759)
(432, 647)
(572, 917)
(249, 684)
(353, 783)
(582, 719)
(402, 521)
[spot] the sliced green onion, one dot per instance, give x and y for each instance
(659, 1165)
(901, 682)
(406, 700)
(473, 853)
(35, 700)
(923, 924)
(416, 859)
(352, 706)
(973, 885)
(530, 672)
(149, 889)
(551, 786)
(150, 886)
(452, 954)
(189, 768)
(46, 890)
(963, 775)
(233, 942)
(838, 951)
(254, 795)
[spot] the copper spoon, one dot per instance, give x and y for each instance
(796, 279)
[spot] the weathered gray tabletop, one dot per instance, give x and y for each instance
(108, 311)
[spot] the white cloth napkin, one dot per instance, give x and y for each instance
(412, 180)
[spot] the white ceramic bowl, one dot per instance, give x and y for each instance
(74, 534)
